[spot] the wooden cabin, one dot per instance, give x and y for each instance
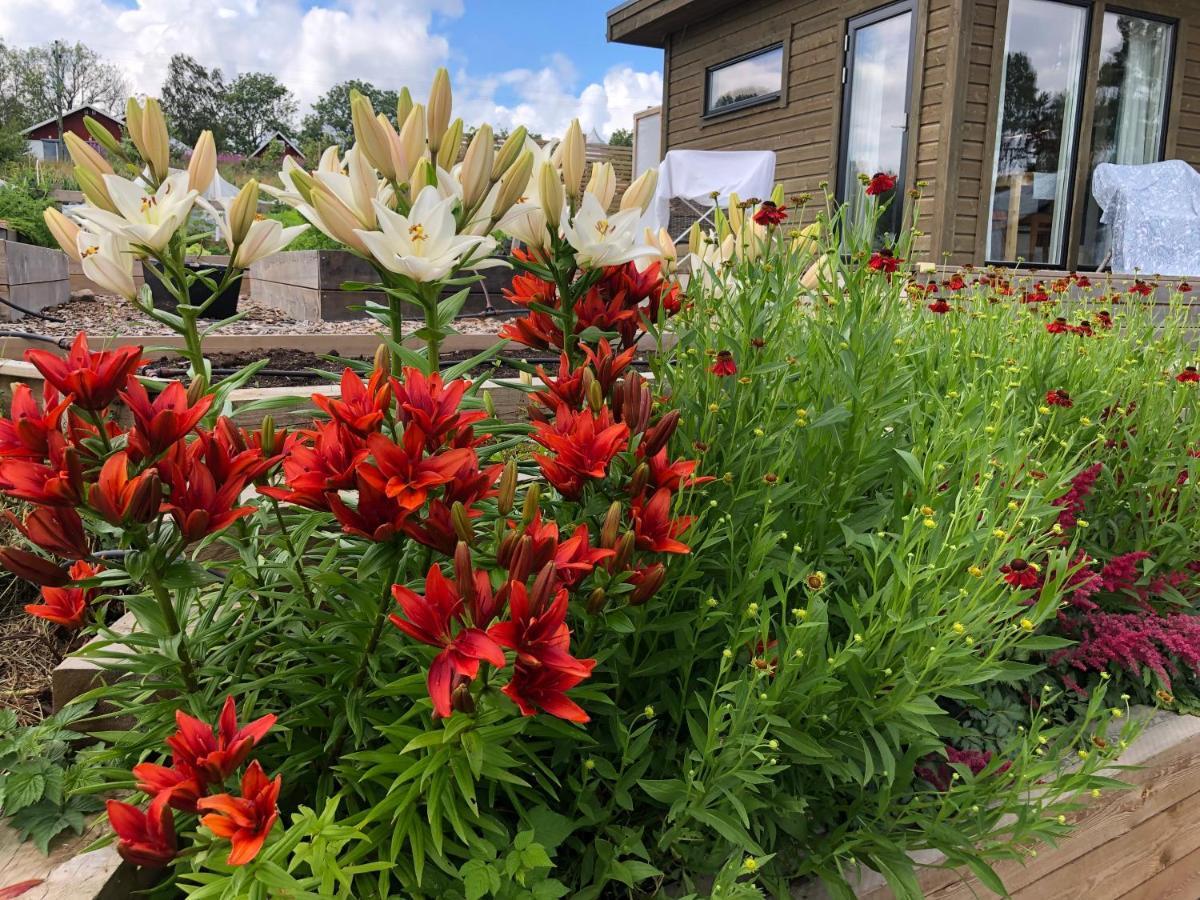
(46, 138)
(996, 111)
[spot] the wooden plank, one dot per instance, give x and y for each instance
(30, 264)
(1179, 881)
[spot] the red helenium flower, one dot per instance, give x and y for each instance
(880, 183)
(1021, 574)
(724, 365)
(1188, 375)
(1059, 397)
(770, 214)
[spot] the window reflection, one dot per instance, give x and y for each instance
(1041, 85)
(1131, 106)
(747, 81)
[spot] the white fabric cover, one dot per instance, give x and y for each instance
(1153, 214)
(694, 174)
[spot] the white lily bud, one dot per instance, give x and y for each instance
(404, 105)
(440, 103)
(477, 167)
(158, 141)
(330, 160)
(550, 194)
(363, 186)
(777, 196)
(639, 194)
(695, 237)
(133, 124)
(423, 176)
(84, 155)
(242, 211)
(602, 183)
(202, 167)
(412, 143)
(508, 153)
(451, 143)
(339, 222)
(94, 189)
(370, 136)
(573, 156)
(64, 230)
(513, 184)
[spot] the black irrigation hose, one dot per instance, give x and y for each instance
(30, 312)
(61, 342)
(307, 373)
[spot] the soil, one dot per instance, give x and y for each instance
(29, 650)
(295, 367)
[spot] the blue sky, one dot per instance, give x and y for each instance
(537, 63)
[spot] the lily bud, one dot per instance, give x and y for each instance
(513, 184)
(158, 141)
(620, 562)
(370, 136)
(507, 490)
(74, 468)
(595, 397)
(596, 601)
(65, 231)
(103, 137)
(33, 568)
(656, 437)
(266, 435)
(543, 587)
(461, 699)
(477, 167)
(340, 222)
(532, 498)
(612, 522)
(404, 105)
(550, 195)
(509, 151)
(603, 183)
(464, 574)
(637, 483)
(586, 381)
(461, 522)
(489, 405)
(84, 155)
(302, 182)
(197, 389)
(518, 570)
(573, 156)
(450, 144)
(94, 189)
(639, 194)
(147, 498)
(383, 358)
(242, 212)
(202, 167)
(694, 238)
(777, 195)
(440, 103)
(650, 581)
(133, 125)
(736, 215)
(423, 176)
(412, 143)
(508, 545)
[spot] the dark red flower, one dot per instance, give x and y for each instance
(198, 506)
(955, 282)
(181, 785)
(213, 755)
(1141, 288)
(318, 462)
(884, 261)
(583, 444)
(1105, 319)
(1184, 288)
(55, 529)
(160, 423)
(880, 183)
(1059, 397)
(433, 407)
(93, 379)
(724, 365)
(120, 499)
(245, 821)
(540, 637)
(1021, 574)
(1058, 326)
(26, 433)
(655, 530)
(375, 515)
(360, 407)
(770, 214)
(144, 838)
(544, 687)
(32, 567)
(939, 306)
(67, 606)
(1189, 374)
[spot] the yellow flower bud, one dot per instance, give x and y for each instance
(572, 155)
(513, 184)
(404, 105)
(65, 231)
(639, 194)
(242, 212)
(202, 167)
(450, 144)
(550, 194)
(440, 103)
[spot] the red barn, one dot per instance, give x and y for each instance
(290, 147)
(45, 141)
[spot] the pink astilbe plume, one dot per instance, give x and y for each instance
(1073, 501)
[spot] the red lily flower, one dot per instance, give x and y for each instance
(607, 313)
(646, 581)
(1189, 374)
(606, 365)
(361, 408)
(1021, 574)
(246, 820)
(67, 606)
(181, 786)
(939, 306)
(1058, 326)
(120, 499)
(92, 378)
(403, 474)
(376, 516)
(770, 214)
(527, 288)
(884, 261)
(536, 330)
(33, 568)
(212, 756)
(674, 476)
(655, 529)
(431, 405)
(58, 484)
(160, 423)
(26, 433)
(583, 444)
(318, 462)
(540, 637)
(232, 453)
(724, 365)
(880, 183)
(58, 530)
(144, 838)
(430, 619)
(195, 502)
(1059, 397)
(533, 687)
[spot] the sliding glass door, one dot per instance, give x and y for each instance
(1037, 168)
(1131, 109)
(1039, 124)
(875, 107)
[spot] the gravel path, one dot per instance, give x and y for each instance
(110, 315)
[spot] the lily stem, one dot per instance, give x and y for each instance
(291, 548)
(167, 605)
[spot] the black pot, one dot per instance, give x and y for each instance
(223, 307)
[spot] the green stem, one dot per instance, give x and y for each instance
(291, 548)
(167, 605)
(433, 343)
(396, 323)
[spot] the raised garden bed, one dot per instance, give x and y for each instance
(31, 278)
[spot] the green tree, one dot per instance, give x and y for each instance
(57, 77)
(329, 120)
(621, 137)
(255, 105)
(193, 98)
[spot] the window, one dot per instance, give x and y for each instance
(875, 109)
(1038, 128)
(746, 81)
(1131, 109)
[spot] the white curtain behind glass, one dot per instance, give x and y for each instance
(1071, 50)
(1139, 116)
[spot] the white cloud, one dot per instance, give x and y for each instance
(389, 42)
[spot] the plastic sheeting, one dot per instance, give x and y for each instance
(1153, 214)
(693, 175)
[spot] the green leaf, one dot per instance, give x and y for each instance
(476, 877)
(23, 788)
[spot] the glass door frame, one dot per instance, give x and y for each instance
(1083, 163)
(853, 24)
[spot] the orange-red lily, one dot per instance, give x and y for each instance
(66, 606)
(160, 422)
(213, 756)
(144, 838)
(246, 820)
(92, 378)
(120, 499)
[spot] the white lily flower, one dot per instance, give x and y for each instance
(603, 240)
(423, 245)
(108, 261)
(288, 193)
(266, 237)
(144, 219)
(527, 223)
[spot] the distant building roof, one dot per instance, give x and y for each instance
(276, 136)
(93, 111)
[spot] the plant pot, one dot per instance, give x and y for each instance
(223, 307)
